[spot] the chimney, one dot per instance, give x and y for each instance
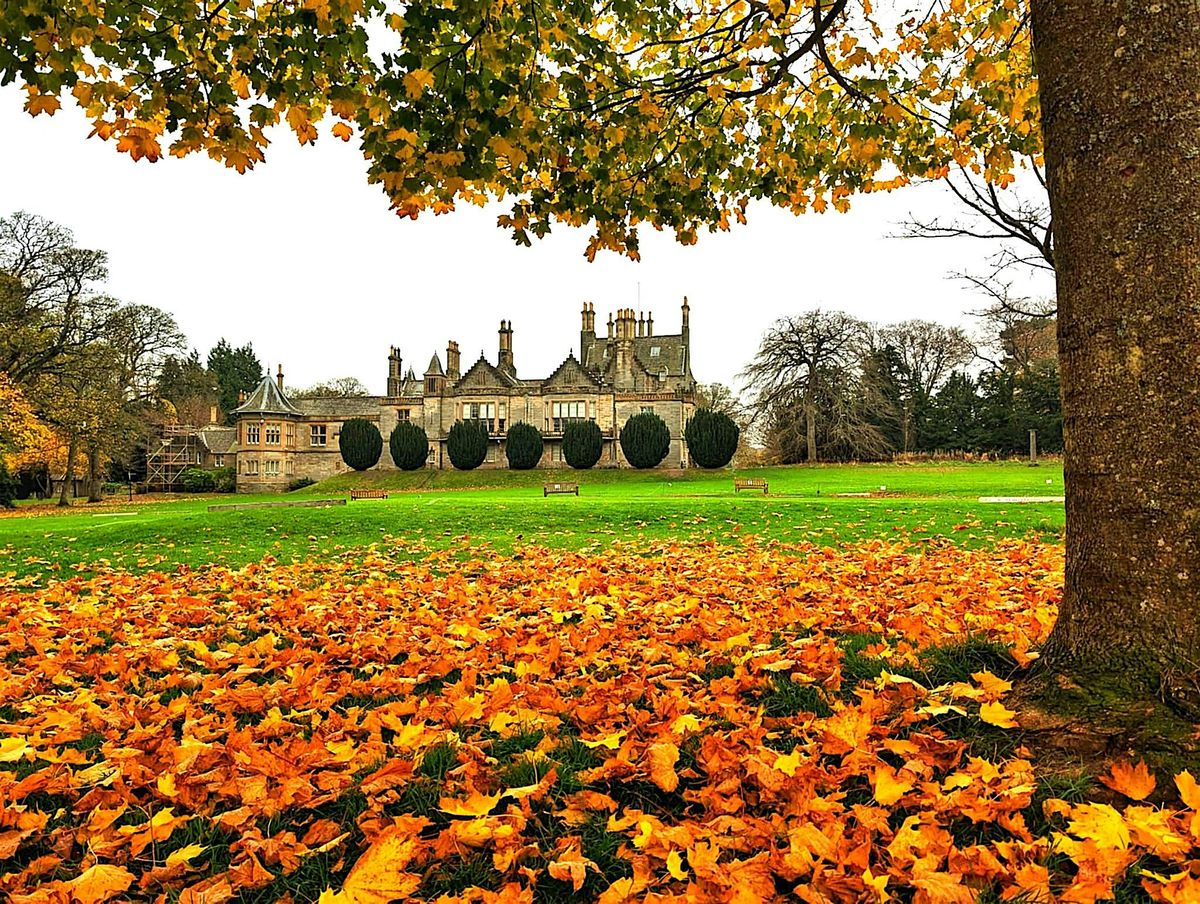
(212, 413)
(587, 332)
(650, 324)
(610, 325)
(505, 359)
(453, 360)
(279, 377)
(641, 324)
(393, 379)
(241, 397)
(686, 310)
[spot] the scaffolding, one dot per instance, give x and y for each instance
(178, 448)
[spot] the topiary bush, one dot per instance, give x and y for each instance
(582, 444)
(409, 445)
(197, 480)
(645, 440)
(712, 438)
(360, 443)
(523, 446)
(467, 444)
(8, 487)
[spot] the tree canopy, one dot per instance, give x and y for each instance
(672, 114)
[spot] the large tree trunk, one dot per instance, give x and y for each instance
(810, 427)
(94, 482)
(69, 476)
(1120, 95)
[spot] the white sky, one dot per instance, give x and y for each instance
(304, 259)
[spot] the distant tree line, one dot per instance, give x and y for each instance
(825, 386)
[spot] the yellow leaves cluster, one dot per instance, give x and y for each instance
(209, 733)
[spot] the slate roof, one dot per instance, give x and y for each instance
(435, 367)
(218, 440)
(267, 398)
(672, 354)
(346, 406)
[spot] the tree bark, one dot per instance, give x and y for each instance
(69, 476)
(94, 484)
(810, 427)
(1120, 98)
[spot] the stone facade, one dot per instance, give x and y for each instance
(629, 370)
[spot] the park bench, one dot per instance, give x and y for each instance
(749, 483)
(551, 488)
(368, 494)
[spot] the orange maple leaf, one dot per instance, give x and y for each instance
(1135, 782)
(661, 759)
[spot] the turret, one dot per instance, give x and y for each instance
(435, 377)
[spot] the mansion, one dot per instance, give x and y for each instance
(278, 440)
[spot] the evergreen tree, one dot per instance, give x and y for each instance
(8, 487)
(523, 446)
(409, 445)
(582, 444)
(467, 444)
(645, 440)
(360, 443)
(1037, 405)
(712, 438)
(237, 370)
(953, 421)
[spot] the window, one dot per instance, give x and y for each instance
(289, 467)
(431, 385)
(491, 452)
(647, 409)
(655, 351)
(271, 468)
(252, 434)
(501, 421)
(218, 461)
(251, 467)
(403, 414)
(565, 412)
(318, 435)
(556, 452)
(291, 436)
(272, 434)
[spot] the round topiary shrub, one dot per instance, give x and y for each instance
(582, 444)
(645, 440)
(523, 446)
(360, 443)
(409, 445)
(467, 444)
(712, 438)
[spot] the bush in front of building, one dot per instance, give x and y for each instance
(523, 446)
(582, 444)
(467, 444)
(645, 440)
(409, 445)
(300, 483)
(360, 443)
(712, 438)
(197, 480)
(8, 487)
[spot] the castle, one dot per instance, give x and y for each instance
(279, 440)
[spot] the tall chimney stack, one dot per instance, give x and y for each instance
(279, 377)
(453, 361)
(650, 324)
(505, 359)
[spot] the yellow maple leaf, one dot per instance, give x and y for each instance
(788, 763)
(417, 81)
(675, 866)
(612, 741)
(343, 131)
(1135, 782)
(1189, 789)
(889, 786)
(42, 103)
(378, 876)
(1099, 823)
(99, 883)
(13, 749)
(661, 759)
(184, 854)
(998, 714)
(475, 805)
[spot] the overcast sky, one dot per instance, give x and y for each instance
(303, 258)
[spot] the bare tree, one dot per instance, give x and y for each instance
(928, 353)
(337, 388)
(798, 360)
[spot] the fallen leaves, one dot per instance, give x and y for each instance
(610, 727)
(1135, 782)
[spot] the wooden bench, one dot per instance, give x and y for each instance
(749, 483)
(552, 488)
(368, 494)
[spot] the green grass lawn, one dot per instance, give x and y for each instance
(505, 509)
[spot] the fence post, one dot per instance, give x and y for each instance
(1033, 462)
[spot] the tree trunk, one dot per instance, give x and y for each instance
(1120, 97)
(94, 484)
(810, 426)
(69, 476)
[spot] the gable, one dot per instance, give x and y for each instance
(570, 374)
(483, 376)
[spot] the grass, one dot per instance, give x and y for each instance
(506, 509)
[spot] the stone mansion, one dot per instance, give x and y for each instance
(631, 369)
